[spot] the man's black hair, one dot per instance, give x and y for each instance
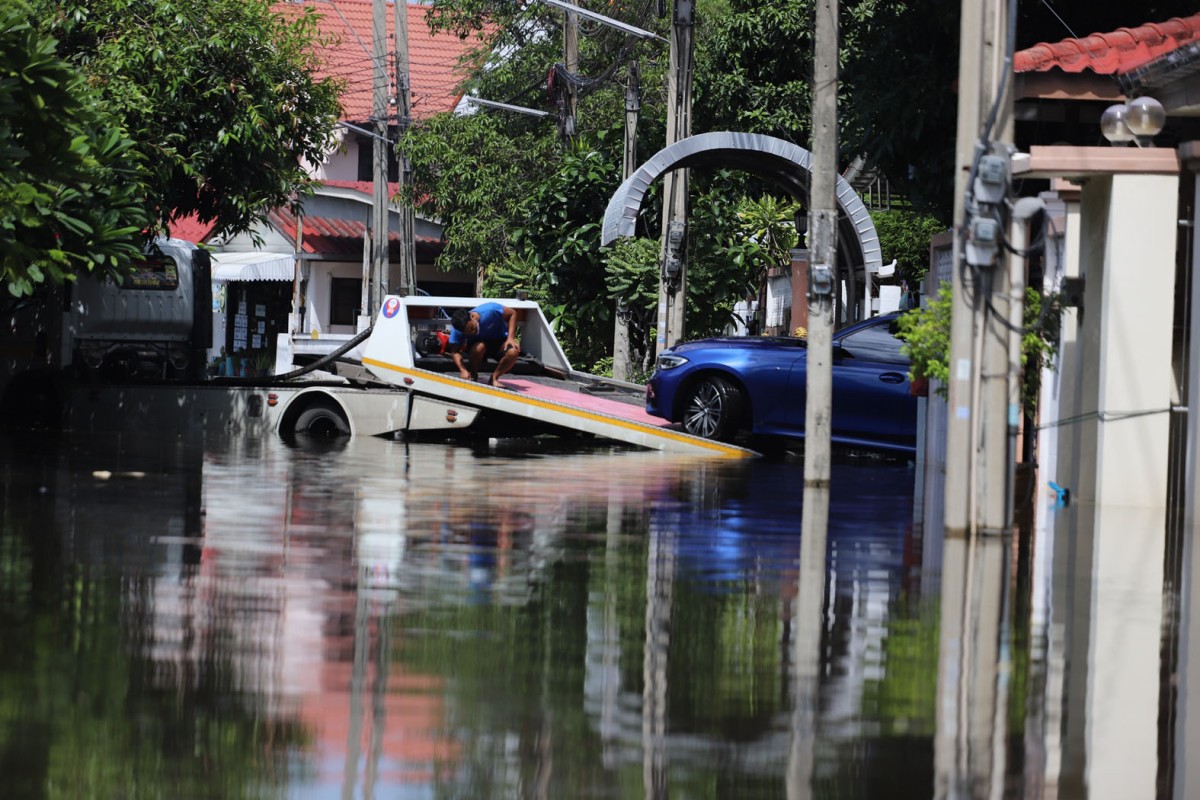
(459, 319)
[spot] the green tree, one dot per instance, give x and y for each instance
(631, 273)
(926, 333)
(218, 95)
(473, 175)
(68, 188)
(768, 228)
(905, 236)
(558, 243)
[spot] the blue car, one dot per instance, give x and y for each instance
(719, 387)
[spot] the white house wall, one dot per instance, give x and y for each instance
(1125, 337)
(342, 163)
(317, 299)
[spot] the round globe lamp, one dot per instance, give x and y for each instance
(1113, 126)
(1145, 117)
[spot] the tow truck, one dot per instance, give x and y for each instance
(105, 356)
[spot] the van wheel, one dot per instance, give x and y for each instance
(323, 418)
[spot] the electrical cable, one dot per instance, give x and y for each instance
(1109, 416)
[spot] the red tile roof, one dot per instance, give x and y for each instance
(433, 60)
(332, 236)
(1110, 53)
(191, 229)
(365, 187)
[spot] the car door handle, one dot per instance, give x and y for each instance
(891, 377)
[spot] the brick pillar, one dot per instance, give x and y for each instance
(799, 290)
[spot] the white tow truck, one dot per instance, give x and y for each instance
(102, 356)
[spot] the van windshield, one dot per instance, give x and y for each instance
(153, 272)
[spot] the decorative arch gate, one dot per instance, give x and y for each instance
(787, 165)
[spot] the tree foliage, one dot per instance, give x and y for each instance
(754, 68)
(926, 334)
(121, 116)
(475, 176)
(558, 243)
(897, 111)
(219, 97)
(68, 193)
(905, 236)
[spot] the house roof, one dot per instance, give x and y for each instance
(433, 59)
(342, 239)
(191, 229)
(1109, 53)
(324, 236)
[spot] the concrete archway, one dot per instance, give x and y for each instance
(787, 165)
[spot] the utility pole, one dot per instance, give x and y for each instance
(408, 256)
(822, 226)
(376, 276)
(976, 434)
(571, 63)
(633, 77)
(672, 287)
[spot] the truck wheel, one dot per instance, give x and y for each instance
(323, 418)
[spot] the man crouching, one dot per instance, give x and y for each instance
(489, 329)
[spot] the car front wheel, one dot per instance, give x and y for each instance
(713, 409)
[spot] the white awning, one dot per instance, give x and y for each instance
(253, 266)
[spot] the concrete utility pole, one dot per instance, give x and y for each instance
(672, 287)
(376, 276)
(822, 225)
(633, 76)
(976, 446)
(407, 283)
(571, 62)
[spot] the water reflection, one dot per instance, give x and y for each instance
(245, 618)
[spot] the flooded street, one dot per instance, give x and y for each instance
(386, 619)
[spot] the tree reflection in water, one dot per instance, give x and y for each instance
(495, 621)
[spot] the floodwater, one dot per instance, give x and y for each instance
(381, 619)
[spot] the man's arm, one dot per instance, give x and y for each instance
(456, 355)
(510, 317)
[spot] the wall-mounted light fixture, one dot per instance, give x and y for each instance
(1137, 121)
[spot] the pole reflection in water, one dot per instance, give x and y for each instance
(1105, 635)
(660, 575)
(807, 627)
(1187, 703)
(973, 668)
(379, 619)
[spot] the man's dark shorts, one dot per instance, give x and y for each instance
(494, 349)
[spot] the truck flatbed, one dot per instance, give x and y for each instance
(543, 389)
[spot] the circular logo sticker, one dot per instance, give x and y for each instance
(391, 307)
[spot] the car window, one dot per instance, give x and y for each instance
(875, 343)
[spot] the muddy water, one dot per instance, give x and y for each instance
(188, 618)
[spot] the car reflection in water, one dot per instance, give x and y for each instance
(718, 387)
(453, 621)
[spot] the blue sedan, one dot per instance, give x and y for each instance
(718, 387)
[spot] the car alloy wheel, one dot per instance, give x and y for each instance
(713, 409)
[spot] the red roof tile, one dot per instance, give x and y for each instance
(365, 187)
(1110, 53)
(191, 229)
(331, 236)
(433, 60)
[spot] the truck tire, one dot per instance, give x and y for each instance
(323, 418)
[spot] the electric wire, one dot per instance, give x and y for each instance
(1110, 416)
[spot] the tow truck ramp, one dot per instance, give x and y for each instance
(543, 388)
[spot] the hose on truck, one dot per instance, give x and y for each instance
(268, 380)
